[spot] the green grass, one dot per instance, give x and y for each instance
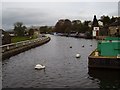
(18, 39)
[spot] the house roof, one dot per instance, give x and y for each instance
(2, 31)
(116, 23)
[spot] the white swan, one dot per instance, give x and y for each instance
(77, 55)
(39, 66)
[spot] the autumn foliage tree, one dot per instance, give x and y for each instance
(76, 25)
(63, 26)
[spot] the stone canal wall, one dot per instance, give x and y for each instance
(12, 49)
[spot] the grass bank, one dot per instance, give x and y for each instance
(18, 39)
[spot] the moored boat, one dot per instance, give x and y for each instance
(107, 54)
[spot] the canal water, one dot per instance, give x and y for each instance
(63, 69)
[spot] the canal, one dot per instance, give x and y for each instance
(63, 69)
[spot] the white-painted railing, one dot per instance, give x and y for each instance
(11, 46)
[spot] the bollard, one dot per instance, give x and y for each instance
(3, 51)
(23, 43)
(16, 45)
(8, 47)
(96, 53)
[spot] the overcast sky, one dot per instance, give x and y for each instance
(48, 13)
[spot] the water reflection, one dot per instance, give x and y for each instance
(106, 78)
(62, 70)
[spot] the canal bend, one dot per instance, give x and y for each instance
(63, 69)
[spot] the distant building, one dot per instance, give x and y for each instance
(114, 28)
(100, 23)
(95, 31)
(11, 33)
(33, 31)
(90, 24)
(95, 27)
(36, 32)
(1, 33)
(95, 22)
(6, 38)
(34, 27)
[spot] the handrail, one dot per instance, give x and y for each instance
(8, 47)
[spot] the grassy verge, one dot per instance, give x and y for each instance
(18, 39)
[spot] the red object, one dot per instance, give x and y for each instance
(97, 33)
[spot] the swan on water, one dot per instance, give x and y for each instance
(39, 66)
(77, 55)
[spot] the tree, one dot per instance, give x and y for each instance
(59, 27)
(19, 29)
(76, 25)
(105, 20)
(50, 29)
(63, 26)
(6, 39)
(86, 27)
(31, 32)
(67, 26)
(112, 20)
(43, 29)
